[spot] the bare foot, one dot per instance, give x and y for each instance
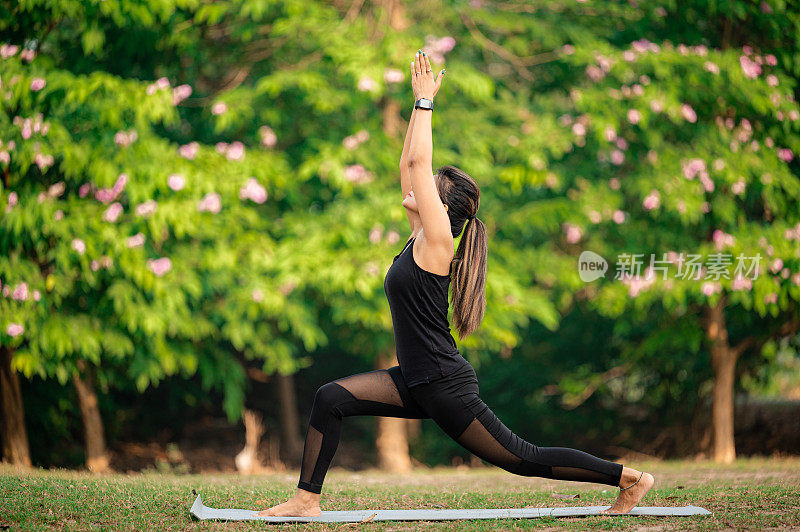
(303, 504)
(628, 498)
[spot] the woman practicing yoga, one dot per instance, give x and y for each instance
(433, 380)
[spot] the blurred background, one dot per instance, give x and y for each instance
(199, 202)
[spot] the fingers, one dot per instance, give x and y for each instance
(438, 82)
(417, 66)
(426, 63)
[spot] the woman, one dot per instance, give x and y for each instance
(432, 379)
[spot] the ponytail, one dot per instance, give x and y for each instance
(469, 278)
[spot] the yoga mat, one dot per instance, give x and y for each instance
(202, 511)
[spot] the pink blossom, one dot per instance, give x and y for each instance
(688, 113)
(56, 189)
(622, 143)
(95, 265)
(595, 73)
(610, 134)
(785, 154)
(638, 284)
(20, 292)
(5, 158)
(796, 278)
(771, 298)
(393, 237)
(750, 68)
(356, 173)
(617, 157)
(629, 55)
(375, 235)
(125, 138)
(747, 49)
(84, 190)
(58, 215)
(722, 239)
(613, 183)
(656, 106)
(189, 151)
(579, 129)
(692, 167)
(37, 295)
(113, 212)
(38, 84)
(15, 329)
(772, 80)
(776, 265)
(12, 201)
(254, 191)
(147, 208)
(235, 151)
(634, 116)
(711, 67)
(180, 93)
(219, 108)
(595, 217)
(43, 161)
(567, 49)
(573, 233)
(709, 288)
(135, 241)
(708, 184)
(176, 182)
(211, 202)
(7, 50)
(257, 295)
(159, 266)
(366, 83)
(268, 136)
(393, 75)
(79, 245)
(652, 200)
(771, 60)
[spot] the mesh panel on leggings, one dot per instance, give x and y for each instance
(372, 386)
(481, 443)
(310, 453)
(582, 475)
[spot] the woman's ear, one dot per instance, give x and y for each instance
(445, 207)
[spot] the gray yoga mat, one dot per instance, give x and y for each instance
(202, 511)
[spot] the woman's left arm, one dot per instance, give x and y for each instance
(435, 222)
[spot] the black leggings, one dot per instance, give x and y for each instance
(453, 403)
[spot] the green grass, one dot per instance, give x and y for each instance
(755, 493)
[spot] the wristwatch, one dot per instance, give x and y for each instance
(424, 103)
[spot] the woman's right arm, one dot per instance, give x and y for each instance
(405, 173)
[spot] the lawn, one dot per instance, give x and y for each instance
(752, 493)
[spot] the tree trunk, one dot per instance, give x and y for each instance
(392, 439)
(247, 461)
(12, 414)
(290, 421)
(723, 360)
(97, 459)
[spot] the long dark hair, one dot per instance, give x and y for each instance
(462, 196)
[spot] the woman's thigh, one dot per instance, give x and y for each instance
(450, 401)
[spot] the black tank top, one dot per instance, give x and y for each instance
(418, 301)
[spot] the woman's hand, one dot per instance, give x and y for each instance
(422, 81)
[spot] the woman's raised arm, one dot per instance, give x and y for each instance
(435, 222)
